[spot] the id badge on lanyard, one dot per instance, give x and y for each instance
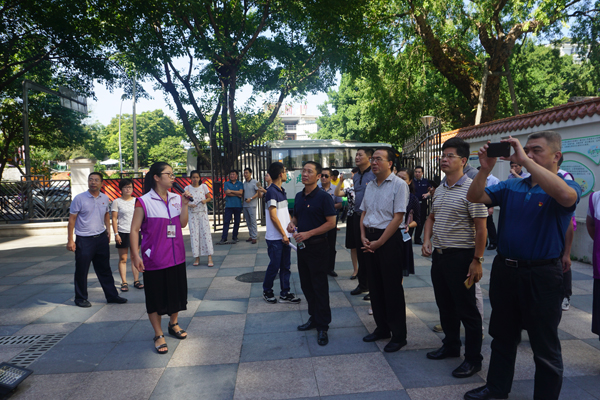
(171, 232)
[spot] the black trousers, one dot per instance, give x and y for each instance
(423, 216)
(312, 268)
(491, 229)
(363, 279)
(568, 283)
(526, 298)
(331, 239)
(90, 249)
(385, 281)
(457, 303)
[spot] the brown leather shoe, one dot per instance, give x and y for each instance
(253, 241)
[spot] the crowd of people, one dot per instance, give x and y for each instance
(388, 210)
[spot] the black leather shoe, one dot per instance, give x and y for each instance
(358, 290)
(117, 300)
(418, 242)
(375, 336)
(443, 352)
(483, 393)
(492, 247)
(332, 273)
(394, 346)
(307, 326)
(367, 297)
(466, 369)
(82, 303)
(322, 338)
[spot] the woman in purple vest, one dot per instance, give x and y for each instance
(161, 215)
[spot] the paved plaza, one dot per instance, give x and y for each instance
(240, 347)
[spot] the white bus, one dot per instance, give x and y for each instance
(329, 153)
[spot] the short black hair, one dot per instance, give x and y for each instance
(463, 149)
(368, 151)
(194, 172)
(327, 169)
(419, 167)
(124, 182)
(96, 173)
(247, 169)
(318, 166)
(335, 172)
(275, 169)
(391, 156)
(233, 170)
(355, 170)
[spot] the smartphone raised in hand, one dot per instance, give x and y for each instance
(501, 149)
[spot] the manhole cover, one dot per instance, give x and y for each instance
(251, 277)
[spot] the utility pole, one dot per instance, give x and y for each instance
(135, 153)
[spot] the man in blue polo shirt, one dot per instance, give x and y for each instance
(314, 216)
(234, 191)
(89, 219)
(526, 288)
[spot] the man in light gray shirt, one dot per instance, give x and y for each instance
(251, 194)
(384, 205)
(90, 219)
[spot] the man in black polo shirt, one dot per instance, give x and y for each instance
(314, 216)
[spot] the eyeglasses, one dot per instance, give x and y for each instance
(377, 160)
(170, 174)
(324, 176)
(96, 180)
(448, 156)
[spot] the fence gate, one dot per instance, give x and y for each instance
(35, 199)
(423, 149)
(234, 154)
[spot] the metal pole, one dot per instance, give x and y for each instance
(135, 155)
(120, 152)
(26, 130)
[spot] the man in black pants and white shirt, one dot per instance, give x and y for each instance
(384, 206)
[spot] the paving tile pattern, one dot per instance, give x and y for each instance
(240, 347)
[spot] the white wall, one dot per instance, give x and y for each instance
(581, 127)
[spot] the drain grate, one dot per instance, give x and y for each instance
(40, 346)
(19, 340)
(251, 277)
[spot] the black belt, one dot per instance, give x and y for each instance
(373, 230)
(451, 250)
(526, 263)
(316, 240)
(94, 236)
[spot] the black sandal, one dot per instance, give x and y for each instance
(138, 285)
(124, 287)
(162, 346)
(177, 334)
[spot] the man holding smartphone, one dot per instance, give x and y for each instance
(455, 233)
(526, 288)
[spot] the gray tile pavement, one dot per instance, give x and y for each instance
(240, 347)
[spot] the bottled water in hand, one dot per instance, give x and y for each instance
(300, 245)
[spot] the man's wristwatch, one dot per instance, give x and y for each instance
(480, 259)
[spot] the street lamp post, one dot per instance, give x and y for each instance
(120, 152)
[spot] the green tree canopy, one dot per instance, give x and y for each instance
(152, 127)
(279, 48)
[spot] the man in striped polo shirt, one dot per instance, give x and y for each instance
(455, 233)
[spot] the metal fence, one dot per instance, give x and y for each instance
(35, 200)
(234, 154)
(423, 149)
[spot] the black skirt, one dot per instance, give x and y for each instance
(166, 290)
(596, 308)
